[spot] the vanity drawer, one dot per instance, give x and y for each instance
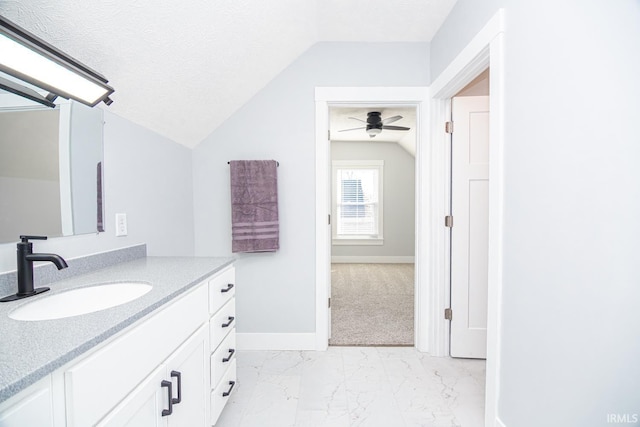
(221, 359)
(97, 383)
(222, 323)
(221, 289)
(221, 394)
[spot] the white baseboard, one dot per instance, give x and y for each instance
(266, 341)
(499, 423)
(372, 259)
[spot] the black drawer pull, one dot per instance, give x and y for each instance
(178, 375)
(226, 359)
(169, 411)
(226, 325)
(228, 392)
(227, 289)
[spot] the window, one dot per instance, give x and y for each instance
(357, 202)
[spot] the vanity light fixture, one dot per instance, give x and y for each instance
(32, 60)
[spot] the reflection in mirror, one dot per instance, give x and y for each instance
(51, 162)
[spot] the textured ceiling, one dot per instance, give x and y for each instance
(182, 68)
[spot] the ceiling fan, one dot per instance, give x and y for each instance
(375, 124)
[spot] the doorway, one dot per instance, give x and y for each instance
(415, 97)
(372, 205)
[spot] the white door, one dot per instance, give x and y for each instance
(469, 234)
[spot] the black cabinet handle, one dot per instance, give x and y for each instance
(178, 375)
(228, 392)
(226, 325)
(227, 289)
(226, 359)
(168, 385)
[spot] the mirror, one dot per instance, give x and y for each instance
(51, 162)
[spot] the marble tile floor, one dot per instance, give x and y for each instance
(355, 386)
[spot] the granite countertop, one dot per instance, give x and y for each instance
(31, 350)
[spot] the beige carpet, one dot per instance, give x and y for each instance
(372, 304)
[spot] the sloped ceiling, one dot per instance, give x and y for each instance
(182, 68)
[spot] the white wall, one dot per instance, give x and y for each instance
(464, 22)
(146, 176)
(277, 291)
(398, 197)
(571, 323)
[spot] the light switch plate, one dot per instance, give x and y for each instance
(121, 224)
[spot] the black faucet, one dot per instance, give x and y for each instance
(26, 257)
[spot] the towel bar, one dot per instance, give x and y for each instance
(277, 163)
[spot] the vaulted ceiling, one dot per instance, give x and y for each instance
(182, 68)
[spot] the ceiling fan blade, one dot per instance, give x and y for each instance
(391, 119)
(360, 120)
(345, 130)
(395, 128)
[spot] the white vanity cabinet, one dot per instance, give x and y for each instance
(95, 385)
(222, 309)
(158, 371)
(30, 407)
(173, 367)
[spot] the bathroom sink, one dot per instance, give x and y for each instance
(80, 301)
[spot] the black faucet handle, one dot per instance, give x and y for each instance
(25, 239)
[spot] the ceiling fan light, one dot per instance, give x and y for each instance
(374, 131)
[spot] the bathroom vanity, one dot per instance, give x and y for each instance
(166, 358)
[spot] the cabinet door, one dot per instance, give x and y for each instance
(143, 406)
(32, 407)
(188, 370)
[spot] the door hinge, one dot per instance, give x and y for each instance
(448, 221)
(448, 314)
(328, 135)
(329, 306)
(329, 219)
(448, 127)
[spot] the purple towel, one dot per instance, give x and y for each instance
(254, 206)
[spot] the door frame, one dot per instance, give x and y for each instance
(325, 98)
(486, 50)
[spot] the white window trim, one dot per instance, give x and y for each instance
(357, 240)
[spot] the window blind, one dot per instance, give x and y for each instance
(357, 202)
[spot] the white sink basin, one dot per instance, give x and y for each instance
(80, 301)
